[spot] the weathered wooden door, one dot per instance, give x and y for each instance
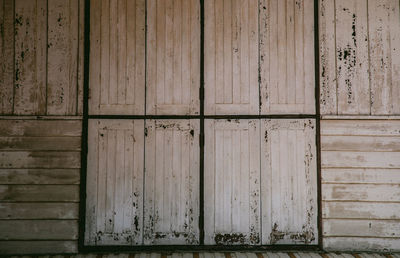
(155, 143)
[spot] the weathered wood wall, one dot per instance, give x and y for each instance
(39, 190)
(41, 82)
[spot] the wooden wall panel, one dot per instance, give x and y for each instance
(30, 57)
(360, 65)
(7, 56)
(114, 206)
(173, 57)
(117, 57)
(172, 182)
(232, 182)
(231, 57)
(62, 57)
(42, 47)
(360, 177)
(287, 57)
(289, 182)
(39, 191)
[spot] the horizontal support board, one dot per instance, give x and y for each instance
(25, 211)
(360, 192)
(39, 193)
(360, 210)
(361, 244)
(361, 175)
(38, 229)
(45, 128)
(40, 176)
(363, 228)
(40, 159)
(38, 247)
(40, 143)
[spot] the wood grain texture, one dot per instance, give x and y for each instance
(173, 59)
(114, 206)
(57, 211)
(30, 57)
(232, 182)
(231, 57)
(39, 193)
(7, 56)
(287, 57)
(360, 176)
(171, 182)
(40, 128)
(62, 57)
(360, 60)
(38, 247)
(117, 57)
(289, 182)
(40, 176)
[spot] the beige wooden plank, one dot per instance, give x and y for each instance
(39, 193)
(174, 57)
(328, 76)
(39, 211)
(360, 175)
(167, 218)
(287, 57)
(288, 172)
(349, 159)
(360, 127)
(38, 247)
(39, 159)
(81, 58)
(30, 57)
(361, 210)
(7, 55)
(394, 28)
(360, 192)
(118, 73)
(352, 57)
(39, 229)
(232, 222)
(40, 143)
(361, 228)
(360, 143)
(62, 57)
(231, 43)
(39, 176)
(384, 88)
(115, 167)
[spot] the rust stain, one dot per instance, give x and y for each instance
(291, 255)
(228, 255)
(357, 256)
(324, 255)
(259, 255)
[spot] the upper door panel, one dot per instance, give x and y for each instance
(287, 67)
(231, 57)
(117, 57)
(173, 57)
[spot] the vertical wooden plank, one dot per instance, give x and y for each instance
(30, 57)
(62, 59)
(169, 179)
(119, 70)
(95, 56)
(7, 55)
(174, 57)
(289, 175)
(287, 57)
(394, 27)
(115, 163)
(352, 57)
(231, 73)
(232, 174)
(81, 57)
(327, 30)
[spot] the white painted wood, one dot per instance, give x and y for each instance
(173, 57)
(360, 210)
(361, 244)
(361, 175)
(360, 192)
(231, 57)
(117, 58)
(363, 228)
(232, 182)
(62, 57)
(360, 127)
(360, 67)
(171, 182)
(30, 57)
(7, 56)
(287, 57)
(289, 182)
(114, 206)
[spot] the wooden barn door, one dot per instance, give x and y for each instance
(168, 165)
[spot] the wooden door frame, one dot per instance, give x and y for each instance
(82, 247)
